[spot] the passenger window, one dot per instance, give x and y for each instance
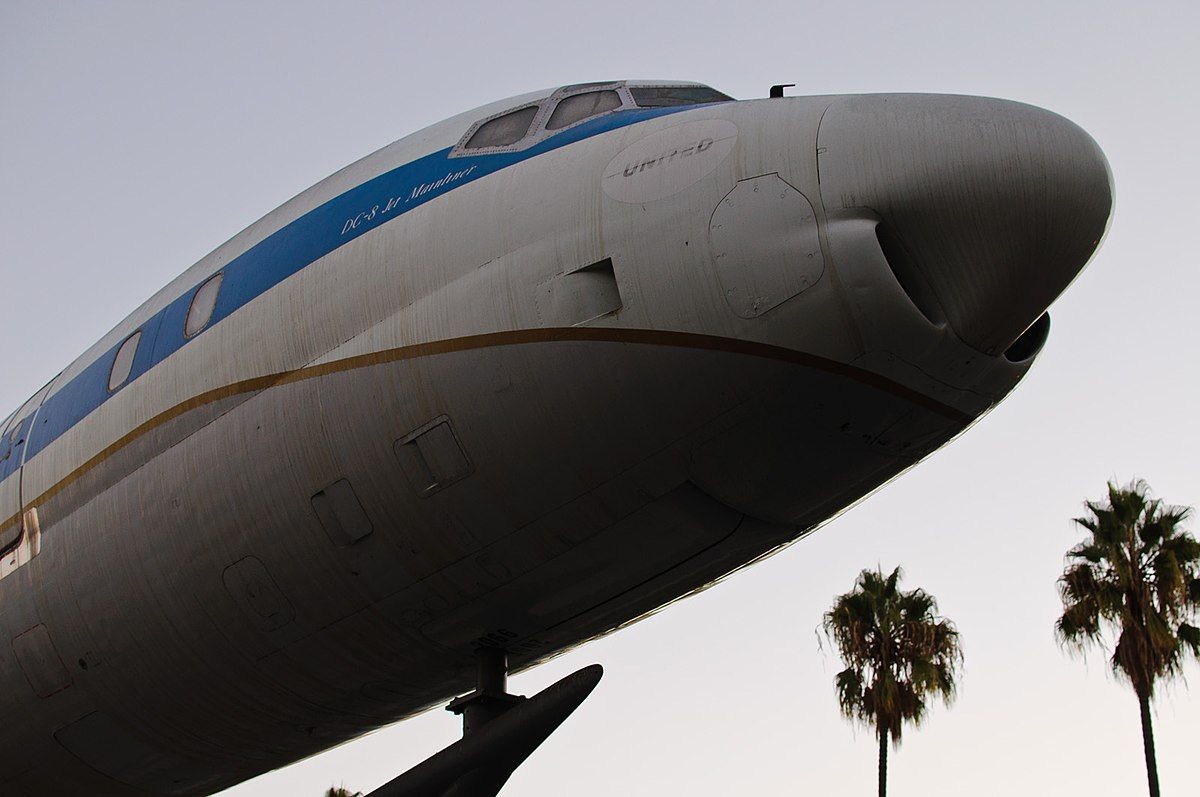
(503, 130)
(201, 309)
(661, 96)
(581, 106)
(123, 364)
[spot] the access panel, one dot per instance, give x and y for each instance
(764, 243)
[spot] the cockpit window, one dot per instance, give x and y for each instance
(661, 96)
(578, 107)
(503, 130)
(519, 129)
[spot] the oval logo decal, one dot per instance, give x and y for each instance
(668, 161)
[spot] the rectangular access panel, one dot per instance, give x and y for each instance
(432, 457)
(341, 513)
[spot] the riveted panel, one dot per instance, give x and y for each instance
(764, 244)
(39, 660)
(257, 594)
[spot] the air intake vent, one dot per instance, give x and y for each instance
(912, 282)
(578, 296)
(1030, 342)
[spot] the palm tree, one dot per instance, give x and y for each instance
(898, 652)
(1138, 577)
(341, 791)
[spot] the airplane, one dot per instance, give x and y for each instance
(508, 384)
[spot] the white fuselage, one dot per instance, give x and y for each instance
(516, 398)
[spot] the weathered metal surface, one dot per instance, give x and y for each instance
(620, 437)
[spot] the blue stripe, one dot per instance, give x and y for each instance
(288, 251)
(12, 448)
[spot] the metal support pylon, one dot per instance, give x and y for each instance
(490, 698)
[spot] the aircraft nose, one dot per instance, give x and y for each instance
(991, 206)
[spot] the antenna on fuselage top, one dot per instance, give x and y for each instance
(777, 91)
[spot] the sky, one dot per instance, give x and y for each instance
(137, 136)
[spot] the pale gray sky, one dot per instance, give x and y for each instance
(136, 136)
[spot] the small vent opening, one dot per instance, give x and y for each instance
(912, 282)
(578, 296)
(1030, 342)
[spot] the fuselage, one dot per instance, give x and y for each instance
(515, 380)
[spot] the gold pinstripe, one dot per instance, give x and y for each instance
(518, 337)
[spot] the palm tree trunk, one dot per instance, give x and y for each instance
(883, 735)
(1148, 744)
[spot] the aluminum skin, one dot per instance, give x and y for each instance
(583, 379)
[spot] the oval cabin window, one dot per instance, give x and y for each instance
(578, 107)
(123, 364)
(201, 310)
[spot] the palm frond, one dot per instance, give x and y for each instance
(1190, 635)
(1137, 575)
(898, 652)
